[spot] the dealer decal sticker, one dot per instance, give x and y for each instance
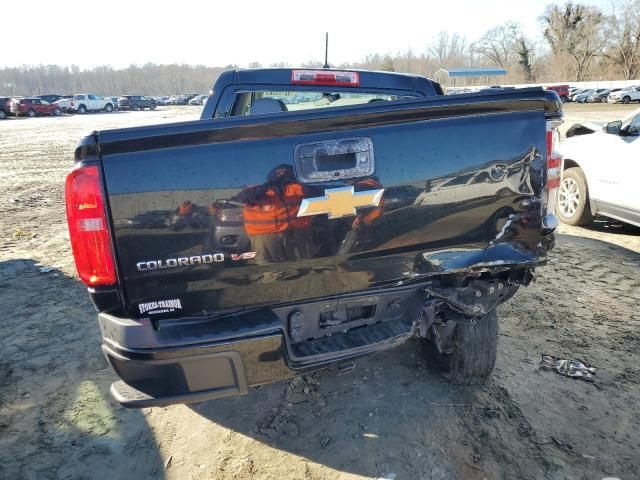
(160, 306)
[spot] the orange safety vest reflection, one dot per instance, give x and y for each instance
(376, 213)
(271, 213)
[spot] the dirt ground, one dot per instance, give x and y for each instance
(391, 417)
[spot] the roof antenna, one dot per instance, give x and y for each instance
(326, 50)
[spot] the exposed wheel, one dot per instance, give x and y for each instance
(564, 99)
(573, 198)
(108, 108)
(473, 354)
(82, 109)
(57, 112)
(603, 99)
(3, 115)
(31, 113)
(152, 106)
(626, 99)
(135, 107)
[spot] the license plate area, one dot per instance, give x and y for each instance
(319, 319)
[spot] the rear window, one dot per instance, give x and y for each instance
(78, 97)
(259, 102)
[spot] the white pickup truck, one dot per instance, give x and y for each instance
(86, 102)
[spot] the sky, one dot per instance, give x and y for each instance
(223, 32)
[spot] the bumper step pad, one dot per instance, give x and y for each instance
(353, 342)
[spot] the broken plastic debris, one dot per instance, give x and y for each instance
(569, 368)
(46, 269)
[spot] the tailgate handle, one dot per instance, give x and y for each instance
(334, 160)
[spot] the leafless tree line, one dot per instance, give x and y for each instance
(578, 43)
(148, 79)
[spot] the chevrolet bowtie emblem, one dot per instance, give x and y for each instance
(340, 202)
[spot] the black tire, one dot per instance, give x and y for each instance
(626, 99)
(3, 115)
(82, 109)
(108, 108)
(152, 106)
(31, 113)
(564, 99)
(57, 112)
(582, 214)
(475, 347)
(135, 107)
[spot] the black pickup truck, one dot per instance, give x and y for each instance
(308, 218)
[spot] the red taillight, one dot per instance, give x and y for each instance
(554, 159)
(554, 164)
(325, 77)
(88, 230)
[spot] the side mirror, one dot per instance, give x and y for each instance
(613, 127)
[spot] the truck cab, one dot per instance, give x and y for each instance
(236, 92)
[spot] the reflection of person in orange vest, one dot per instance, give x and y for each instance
(369, 215)
(271, 217)
(364, 218)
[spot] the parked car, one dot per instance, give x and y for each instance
(160, 101)
(601, 95)
(198, 100)
(114, 101)
(626, 95)
(86, 102)
(328, 274)
(32, 107)
(5, 108)
(181, 99)
(49, 98)
(136, 102)
(576, 92)
(172, 100)
(601, 172)
(582, 96)
(561, 90)
(184, 99)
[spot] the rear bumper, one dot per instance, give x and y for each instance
(194, 359)
(158, 378)
(191, 360)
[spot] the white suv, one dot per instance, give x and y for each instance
(601, 172)
(626, 95)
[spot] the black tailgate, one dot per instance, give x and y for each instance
(225, 214)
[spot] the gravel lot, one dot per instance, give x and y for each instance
(392, 415)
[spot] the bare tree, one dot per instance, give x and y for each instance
(623, 30)
(387, 64)
(449, 50)
(498, 44)
(523, 51)
(575, 30)
(506, 46)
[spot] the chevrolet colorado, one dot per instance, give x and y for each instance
(308, 218)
